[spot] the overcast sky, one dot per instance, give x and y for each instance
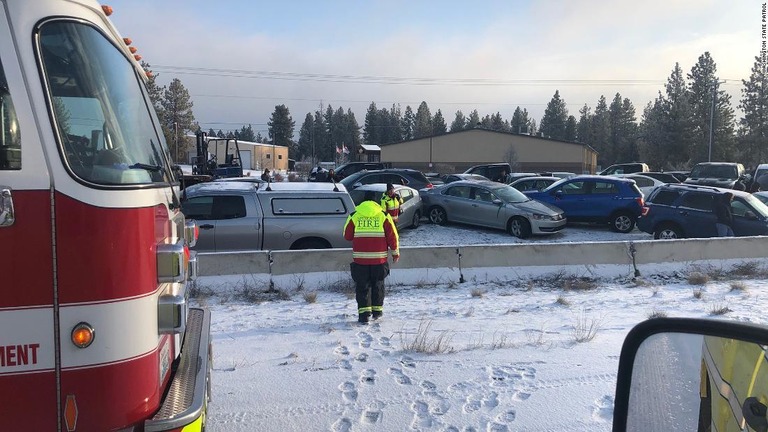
(493, 56)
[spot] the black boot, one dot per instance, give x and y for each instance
(363, 318)
(376, 315)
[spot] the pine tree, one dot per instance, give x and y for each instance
(280, 129)
(570, 129)
(703, 87)
(622, 146)
(178, 118)
(601, 133)
(584, 127)
(305, 138)
(474, 120)
(371, 127)
(520, 122)
(555, 117)
(322, 149)
(753, 130)
(154, 91)
(246, 134)
(423, 126)
(438, 124)
(396, 123)
(409, 124)
(498, 123)
(459, 122)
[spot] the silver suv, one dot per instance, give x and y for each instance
(275, 216)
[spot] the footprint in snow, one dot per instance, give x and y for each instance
(399, 376)
(384, 341)
(506, 417)
(421, 416)
(341, 350)
(602, 410)
(342, 425)
(348, 391)
(345, 364)
(428, 388)
(492, 401)
(365, 339)
(407, 362)
(368, 376)
(497, 427)
(472, 405)
(362, 357)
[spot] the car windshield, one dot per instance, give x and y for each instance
(509, 194)
(714, 171)
(556, 185)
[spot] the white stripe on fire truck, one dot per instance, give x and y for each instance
(30, 348)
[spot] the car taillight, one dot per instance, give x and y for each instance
(644, 210)
(640, 201)
(429, 186)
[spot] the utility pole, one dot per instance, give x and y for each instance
(712, 118)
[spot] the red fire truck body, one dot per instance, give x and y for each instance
(96, 333)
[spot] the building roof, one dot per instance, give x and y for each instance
(371, 147)
(239, 142)
(497, 132)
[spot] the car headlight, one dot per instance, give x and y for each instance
(543, 217)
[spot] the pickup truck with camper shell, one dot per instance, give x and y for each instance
(268, 216)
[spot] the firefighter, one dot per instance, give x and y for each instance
(391, 202)
(372, 233)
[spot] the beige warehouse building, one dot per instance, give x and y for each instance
(457, 151)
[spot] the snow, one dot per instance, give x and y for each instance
(510, 359)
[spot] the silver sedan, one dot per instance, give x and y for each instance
(491, 204)
(410, 210)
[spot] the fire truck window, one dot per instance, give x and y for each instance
(99, 108)
(10, 142)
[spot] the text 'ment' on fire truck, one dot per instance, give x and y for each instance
(96, 333)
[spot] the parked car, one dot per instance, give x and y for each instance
(679, 175)
(318, 174)
(755, 182)
(645, 183)
(717, 174)
(596, 199)
(664, 177)
(762, 196)
(625, 168)
(533, 183)
(681, 211)
(411, 209)
(450, 178)
(490, 171)
(512, 177)
(402, 176)
(350, 168)
(246, 179)
(247, 216)
(494, 205)
(435, 178)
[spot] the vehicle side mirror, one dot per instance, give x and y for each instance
(557, 194)
(498, 202)
(690, 374)
(356, 185)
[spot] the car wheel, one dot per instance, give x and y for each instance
(519, 227)
(310, 243)
(438, 216)
(668, 231)
(622, 222)
(416, 220)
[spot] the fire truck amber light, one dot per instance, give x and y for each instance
(82, 335)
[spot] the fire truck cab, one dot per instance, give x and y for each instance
(96, 333)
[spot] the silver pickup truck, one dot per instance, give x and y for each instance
(236, 216)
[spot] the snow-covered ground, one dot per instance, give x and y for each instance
(498, 353)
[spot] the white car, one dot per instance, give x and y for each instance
(644, 183)
(410, 210)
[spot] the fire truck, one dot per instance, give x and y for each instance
(96, 330)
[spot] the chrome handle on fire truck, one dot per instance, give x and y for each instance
(172, 310)
(7, 216)
(171, 259)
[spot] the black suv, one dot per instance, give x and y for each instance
(680, 210)
(490, 171)
(403, 176)
(350, 168)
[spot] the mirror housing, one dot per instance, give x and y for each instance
(722, 341)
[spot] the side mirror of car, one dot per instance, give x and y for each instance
(498, 202)
(557, 194)
(689, 374)
(356, 185)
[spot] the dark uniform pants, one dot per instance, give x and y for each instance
(369, 287)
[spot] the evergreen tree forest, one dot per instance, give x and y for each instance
(691, 120)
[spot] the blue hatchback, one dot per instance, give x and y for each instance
(599, 199)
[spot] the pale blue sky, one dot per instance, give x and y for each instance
(636, 43)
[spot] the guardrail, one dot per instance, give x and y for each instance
(628, 257)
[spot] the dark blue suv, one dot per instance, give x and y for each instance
(679, 211)
(601, 199)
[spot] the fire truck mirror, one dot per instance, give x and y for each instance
(7, 216)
